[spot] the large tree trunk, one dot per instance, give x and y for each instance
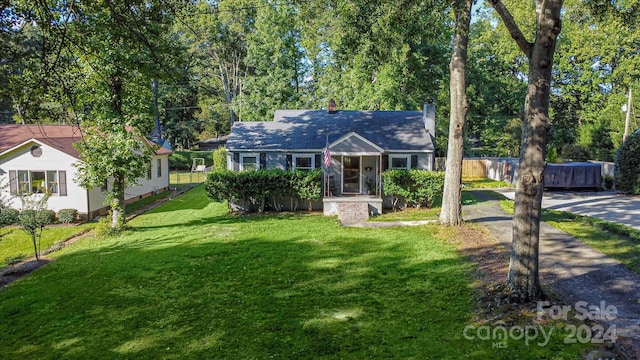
(118, 215)
(451, 213)
(523, 278)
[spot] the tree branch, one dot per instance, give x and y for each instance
(512, 27)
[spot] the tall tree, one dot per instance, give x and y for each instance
(215, 34)
(118, 48)
(523, 278)
(276, 62)
(451, 213)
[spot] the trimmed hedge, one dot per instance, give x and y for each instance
(183, 160)
(9, 216)
(255, 190)
(413, 187)
(627, 169)
(67, 216)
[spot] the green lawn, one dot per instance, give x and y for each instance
(413, 214)
(477, 183)
(185, 179)
(16, 245)
(190, 281)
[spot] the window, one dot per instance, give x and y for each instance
(52, 182)
(149, 171)
(249, 162)
(37, 182)
(159, 165)
(23, 182)
(303, 162)
(399, 162)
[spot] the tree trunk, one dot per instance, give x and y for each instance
(118, 203)
(451, 213)
(523, 278)
(35, 247)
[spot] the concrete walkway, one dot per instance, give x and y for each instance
(574, 271)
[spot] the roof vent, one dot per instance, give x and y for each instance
(332, 107)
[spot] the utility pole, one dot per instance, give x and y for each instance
(627, 118)
(158, 129)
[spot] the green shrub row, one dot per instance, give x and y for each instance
(413, 187)
(11, 216)
(257, 190)
(183, 160)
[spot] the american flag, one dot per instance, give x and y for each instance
(327, 155)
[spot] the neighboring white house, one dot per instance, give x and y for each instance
(39, 158)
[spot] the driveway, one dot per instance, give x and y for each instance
(575, 272)
(606, 205)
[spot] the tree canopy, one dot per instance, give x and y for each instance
(217, 62)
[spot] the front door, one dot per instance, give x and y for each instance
(350, 175)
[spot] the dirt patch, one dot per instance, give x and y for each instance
(493, 304)
(475, 242)
(16, 271)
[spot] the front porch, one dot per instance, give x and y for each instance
(352, 182)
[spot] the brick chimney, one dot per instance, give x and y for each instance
(429, 117)
(332, 107)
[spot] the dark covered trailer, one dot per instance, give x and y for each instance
(573, 175)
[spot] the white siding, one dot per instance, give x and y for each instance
(77, 197)
(51, 159)
(155, 183)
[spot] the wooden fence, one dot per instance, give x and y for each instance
(471, 168)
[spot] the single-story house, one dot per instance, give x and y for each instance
(361, 145)
(40, 158)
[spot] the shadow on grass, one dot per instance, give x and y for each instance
(338, 296)
(221, 286)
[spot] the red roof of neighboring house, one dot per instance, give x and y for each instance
(60, 137)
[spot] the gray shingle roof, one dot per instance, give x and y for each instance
(307, 129)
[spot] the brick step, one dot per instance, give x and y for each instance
(349, 213)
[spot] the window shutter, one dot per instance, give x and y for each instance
(289, 161)
(385, 162)
(62, 180)
(318, 161)
(13, 182)
(236, 161)
(263, 160)
(414, 161)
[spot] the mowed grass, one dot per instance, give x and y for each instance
(16, 244)
(415, 214)
(190, 281)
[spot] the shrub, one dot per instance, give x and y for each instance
(9, 216)
(254, 190)
(48, 216)
(607, 182)
(67, 216)
(220, 159)
(575, 152)
(414, 187)
(627, 165)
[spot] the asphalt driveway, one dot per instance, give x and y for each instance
(610, 206)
